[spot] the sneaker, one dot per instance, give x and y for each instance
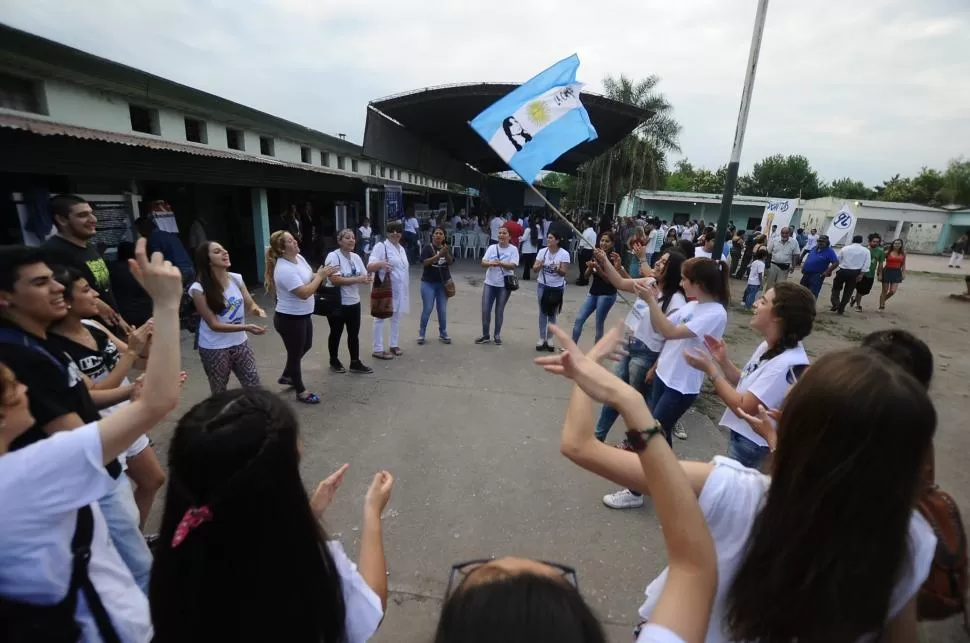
(358, 367)
(497, 341)
(420, 341)
(540, 345)
(484, 339)
(680, 432)
(444, 339)
(337, 368)
(622, 500)
(549, 348)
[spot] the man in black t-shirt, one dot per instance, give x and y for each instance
(76, 225)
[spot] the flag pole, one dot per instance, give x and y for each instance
(732, 170)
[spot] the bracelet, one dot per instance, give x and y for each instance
(639, 439)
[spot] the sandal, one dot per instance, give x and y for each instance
(383, 355)
(308, 398)
(396, 351)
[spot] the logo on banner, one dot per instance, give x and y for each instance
(843, 221)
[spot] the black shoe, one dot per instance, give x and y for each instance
(285, 381)
(833, 309)
(359, 367)
(546, 347)
(484, 339)
(497, 340)
(338, 368)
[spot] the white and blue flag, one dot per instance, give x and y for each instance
(539, 121)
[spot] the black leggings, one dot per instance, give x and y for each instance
(297, 334)
(350, 317)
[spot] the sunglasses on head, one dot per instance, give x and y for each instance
(460, 571)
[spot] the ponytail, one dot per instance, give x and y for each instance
(794, 305)
(712, 276)
(724, 273)
(273, 252)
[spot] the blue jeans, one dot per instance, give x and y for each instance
(632, 369)
(121, 516)
(599, 303)
(751, 294)
(497, 296)
(544, 319)
(433, 294)
(813, 281)
(668, 406)
(745, 451)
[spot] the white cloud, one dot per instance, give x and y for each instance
(862, 89)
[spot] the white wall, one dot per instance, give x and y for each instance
(919, 228)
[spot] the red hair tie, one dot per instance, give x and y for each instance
(194, 516)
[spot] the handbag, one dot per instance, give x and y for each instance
(511, 283)
(22, 622)
(381, 295)
(551, 302)
(450, 288)
(326, 301)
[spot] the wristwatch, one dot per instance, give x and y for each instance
(638, 439)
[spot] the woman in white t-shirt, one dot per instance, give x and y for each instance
(551, 266)
(222, 299)
(365, 233)
(784, 317)
(240, 536)
(293, 281)
(830, 547)
(500, 261)
(351, 273)
(390, 258)
(643, 343)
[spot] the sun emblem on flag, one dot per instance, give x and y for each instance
(538, 112)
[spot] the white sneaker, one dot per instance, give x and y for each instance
(622, 500)
(680, 432)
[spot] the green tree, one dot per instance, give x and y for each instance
(956, 183)
(782, 176)
(895, 189)
(848, 188)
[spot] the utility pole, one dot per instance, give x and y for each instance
(732, 170)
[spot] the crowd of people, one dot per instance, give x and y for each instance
(759, 546)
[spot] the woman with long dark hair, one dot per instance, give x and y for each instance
(829, 548)
(222, 300)
(602, 294)
(351, 273)
(435, 276)
(515, 133)
(675, 383)
(551, 266)
(529, 249)
(893, 272)
(239, 535)
(643, 343)
(783, 316)
(290, 277)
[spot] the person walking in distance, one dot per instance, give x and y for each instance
(602, 293)
(958, 250)
(893, 273)
(784, 252)
(756, 272)
(853, 264)
(553, 262)
(529, 249)
(819, 263)
(811, 240)
(222, 300)
(390, 258)
(877, 258)
(290, 277)
(586, 252)
(349, 276)
(436, 258)
(500, 259)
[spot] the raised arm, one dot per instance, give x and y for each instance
(370, 559)
(658, 319)
(163, 282)
(611, 273)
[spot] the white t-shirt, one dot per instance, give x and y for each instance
(411, 225)
(645, 331)
(494, 226)
(757, 271)
(590, 235)
(365, 232)
(41, 488)
(235, 313)
(702, 319)
(731, 499)
(549, 276)
(349, 267)
(653, 633)
(768, 381)
(527, 247)
(700, 252)
(652, 241)
(289, 276)
(509, 254)
(688, 233)
(363, 606)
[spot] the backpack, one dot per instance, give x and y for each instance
(944, 592)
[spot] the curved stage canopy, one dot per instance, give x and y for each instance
(428, 130)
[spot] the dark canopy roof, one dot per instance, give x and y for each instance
(432, 128)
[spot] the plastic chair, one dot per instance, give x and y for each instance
(482, 243)
(471, 245)
(457, 243)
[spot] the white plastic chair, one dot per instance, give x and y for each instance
(482, 243)
(457, 243)
(471, 245)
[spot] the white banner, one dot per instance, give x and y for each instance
(842, 226)
(778, 213)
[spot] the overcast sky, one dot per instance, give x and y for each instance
(864, 88)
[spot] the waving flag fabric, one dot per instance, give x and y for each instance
(538, 121)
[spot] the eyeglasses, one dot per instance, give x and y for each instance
(460, 571)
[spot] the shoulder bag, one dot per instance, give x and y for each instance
(381, 295)
(326, 300)
(511, 281)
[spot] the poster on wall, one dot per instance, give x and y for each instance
(394, 202)
(778, 213)
(842, 226)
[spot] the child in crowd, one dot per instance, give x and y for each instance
(756, 272)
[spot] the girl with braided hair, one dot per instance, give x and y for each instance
(784, 316)
(242, 555)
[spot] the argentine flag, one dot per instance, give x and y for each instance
(537, 122)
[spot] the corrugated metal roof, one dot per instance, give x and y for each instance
(50, 128)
